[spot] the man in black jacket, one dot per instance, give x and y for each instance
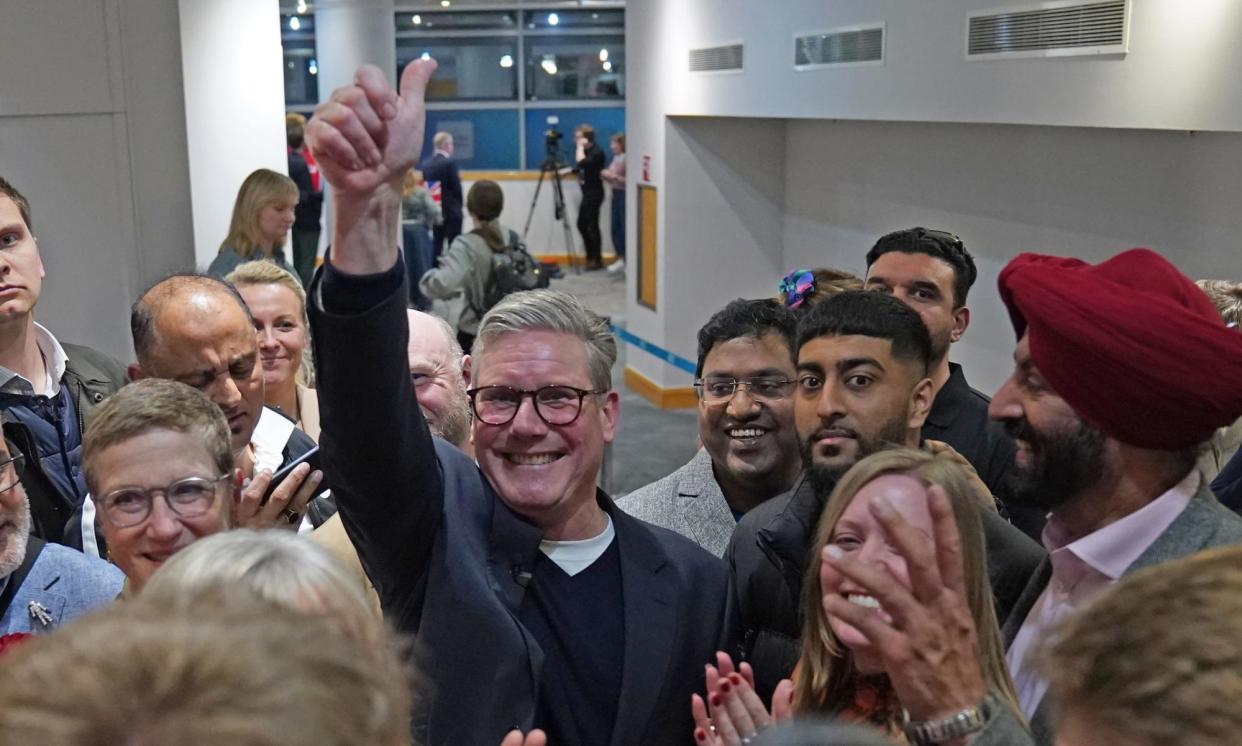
(306, 216)
(441, 168)
(590, 164)
(533, 601)
(862, 383)
(47, 389)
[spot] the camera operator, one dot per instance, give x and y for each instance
(590, 163)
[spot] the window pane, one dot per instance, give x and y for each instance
(551, 19)
(409, 21)
(484, 139)
(297, 37)
(575, 67)
(473, 68)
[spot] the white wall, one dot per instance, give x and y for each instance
(234, 106)
(1081, 156)
(92, 131)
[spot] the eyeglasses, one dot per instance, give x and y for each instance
(555, 405)
(762, 388)
(5, 480)
(188, 498)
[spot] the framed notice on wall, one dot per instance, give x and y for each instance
(647, 246)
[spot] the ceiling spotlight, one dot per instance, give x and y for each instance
(445, 3)
(312, 67)
(302, 6)
(506, 61)
(417, 19)
(607, 66)
(549, 66)
(425, 56)
(603, 55)
(553, 19)
(295, 23)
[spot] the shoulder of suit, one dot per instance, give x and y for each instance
(78, 570)
(679, 550)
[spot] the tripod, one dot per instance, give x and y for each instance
(551, 167)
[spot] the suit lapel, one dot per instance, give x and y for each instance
(701, 506)
(1022, 607)
(650, 603)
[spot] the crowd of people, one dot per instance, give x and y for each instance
(323, 515)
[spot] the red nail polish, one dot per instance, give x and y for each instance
(714, 699)
(700, 734)
(736, 679)
(724, 686)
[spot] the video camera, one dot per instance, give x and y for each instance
(552, 138)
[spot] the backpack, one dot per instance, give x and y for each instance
(513, 270)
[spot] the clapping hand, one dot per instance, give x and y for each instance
(733, 712)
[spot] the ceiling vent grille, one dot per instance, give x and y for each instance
(725, 58)
(856, 45)
(1057, 29)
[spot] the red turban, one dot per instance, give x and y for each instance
(1132, 344)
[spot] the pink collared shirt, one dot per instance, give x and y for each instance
(1083, 569)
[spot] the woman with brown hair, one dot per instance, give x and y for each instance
(839, 674)
(262, 215)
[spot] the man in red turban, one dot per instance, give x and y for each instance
(1123, 370)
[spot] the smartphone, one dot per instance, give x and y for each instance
(310, 457)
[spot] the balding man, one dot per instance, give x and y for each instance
(197, 330)
(441, 375)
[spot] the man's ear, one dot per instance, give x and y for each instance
(135, 372)
(466, 362)
(921, 403)
(961, 320)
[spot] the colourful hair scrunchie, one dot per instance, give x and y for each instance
(796, 286)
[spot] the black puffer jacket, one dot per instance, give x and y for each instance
(768, 557)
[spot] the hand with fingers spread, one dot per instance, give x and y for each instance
(534, 738)
(734, 713)
(922, 632)
(285, 507)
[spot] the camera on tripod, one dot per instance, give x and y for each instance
(552, 138)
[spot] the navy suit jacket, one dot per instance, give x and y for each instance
(438, 167)
(451, 561)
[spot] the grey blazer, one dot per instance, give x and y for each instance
(689, 502)
(1204, 524)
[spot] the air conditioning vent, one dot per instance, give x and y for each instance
(1056, 29)
(841, 46)
(726, 58)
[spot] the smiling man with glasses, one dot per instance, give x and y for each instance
(745, 383)
(516, 571)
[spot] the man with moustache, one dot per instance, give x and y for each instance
(440, 374)
(750, 449)
(1123, 370)
(862, 368)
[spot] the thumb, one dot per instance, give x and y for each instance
(414, 79)
(782, 701)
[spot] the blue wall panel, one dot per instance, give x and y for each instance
(605, 120)
(495, 137)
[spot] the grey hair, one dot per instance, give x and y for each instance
(274, 565)
(552, 310)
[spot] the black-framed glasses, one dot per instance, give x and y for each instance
(555, 405)
(188, 498)
(9, 479)
(762, 388)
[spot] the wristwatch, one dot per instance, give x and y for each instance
(959, 724)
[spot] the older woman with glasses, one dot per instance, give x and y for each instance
(157, 459)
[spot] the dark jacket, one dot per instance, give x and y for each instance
(441, 168)
(90, 377)
(451, 561)
(590, 169)
(1228, 483)
(768, 557)
(310, 202)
